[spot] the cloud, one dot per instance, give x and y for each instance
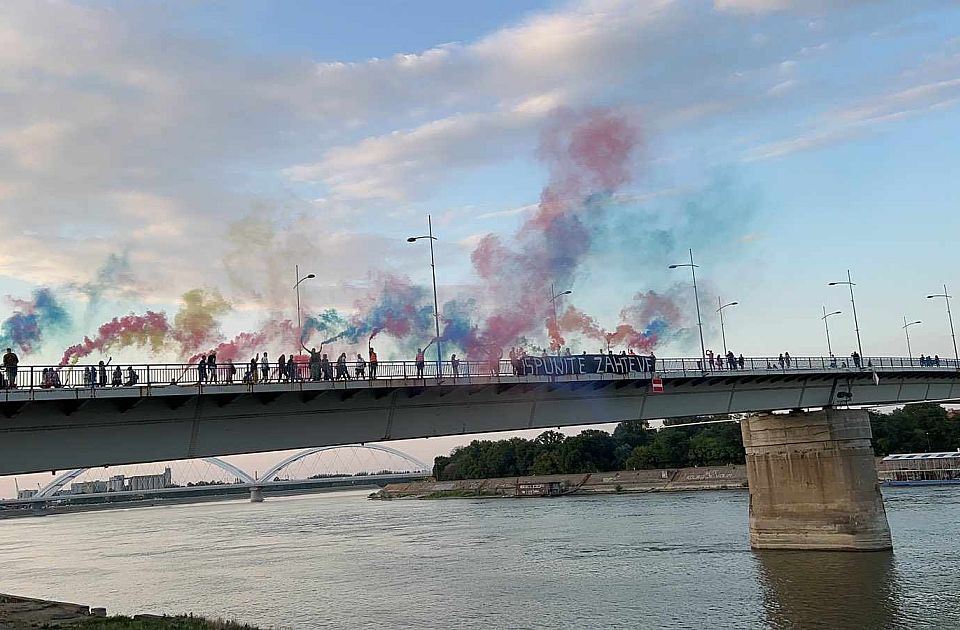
(856, 121)
(123, 132)
(397, 166)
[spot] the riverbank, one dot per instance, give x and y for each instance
(23, 613)
(732, 477)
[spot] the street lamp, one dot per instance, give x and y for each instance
(553, 301)
(436, 305)
(826, 327)
(696, 298)
(906, 331)
(853, 303)
(296, 287)
(723, 334)
(953, 336)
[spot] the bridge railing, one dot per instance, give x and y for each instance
(46, 377)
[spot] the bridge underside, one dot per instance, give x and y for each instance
(62, 429)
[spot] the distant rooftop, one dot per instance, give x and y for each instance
(903, 456)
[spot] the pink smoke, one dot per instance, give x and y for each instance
(147, 330)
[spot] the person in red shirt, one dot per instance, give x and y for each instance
(373, 363)
(419, 362)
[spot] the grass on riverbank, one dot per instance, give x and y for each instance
(155, 623)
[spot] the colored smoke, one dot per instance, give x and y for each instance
(324, 324)
(589, 155)
(395, 307)
(33, 320)
(196, 324)
(147, 331)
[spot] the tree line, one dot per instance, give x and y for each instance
(633, 445)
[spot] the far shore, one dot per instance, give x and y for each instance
(731, 477)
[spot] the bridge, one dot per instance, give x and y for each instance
(346, 469)
(171, 413)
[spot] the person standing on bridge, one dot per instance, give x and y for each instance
(212, 367)
(265, 368)
(202, 370)
(342, 371)
(314, 363)
(361, 368)
(231, 371)
(10, 362)
(102, 368)
(856, 359)
(282, 374)
(419, 362)
(455, 364)
(740, 361)
(253, 369)
(786, 358)
(373, 363)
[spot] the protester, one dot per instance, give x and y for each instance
(201, 370)
(132, 377)
(455, 364)
(282, 373)
(373, 363)
(102, 369)
(740, 361)
(856, 359)
(10, 362)
(342, 371)
(419, 362)
(786, 358)
(231, 371)
(265, 368)
(212, 367)
(253, 369)
(361, 366)
(117, 380)
(326, 368)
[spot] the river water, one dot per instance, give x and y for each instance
(678, 560)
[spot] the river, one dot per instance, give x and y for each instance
(678, 560)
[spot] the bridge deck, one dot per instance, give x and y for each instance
(76, 427)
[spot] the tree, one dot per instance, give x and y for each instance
(915, 429)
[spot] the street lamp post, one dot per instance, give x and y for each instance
(436, 305)
(296, 287)
(553, 301)
(826, 327)
(696, 298)
(723, 334)
(953, 336)
(853, 303)
(906, 331)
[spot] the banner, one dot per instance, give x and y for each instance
(585, 364)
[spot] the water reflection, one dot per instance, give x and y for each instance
(810, 589)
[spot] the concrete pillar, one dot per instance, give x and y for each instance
(256, 494)
(813, 482)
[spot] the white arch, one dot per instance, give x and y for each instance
(61, 480)
(270, 474)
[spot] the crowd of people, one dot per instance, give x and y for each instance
(317, 365)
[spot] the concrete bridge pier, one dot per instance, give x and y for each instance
(813, 482)
(256, 494)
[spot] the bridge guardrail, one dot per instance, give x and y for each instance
(54, 377)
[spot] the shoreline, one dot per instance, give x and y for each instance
(23, 613)
(730, 477)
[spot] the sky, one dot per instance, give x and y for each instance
(147, 149)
